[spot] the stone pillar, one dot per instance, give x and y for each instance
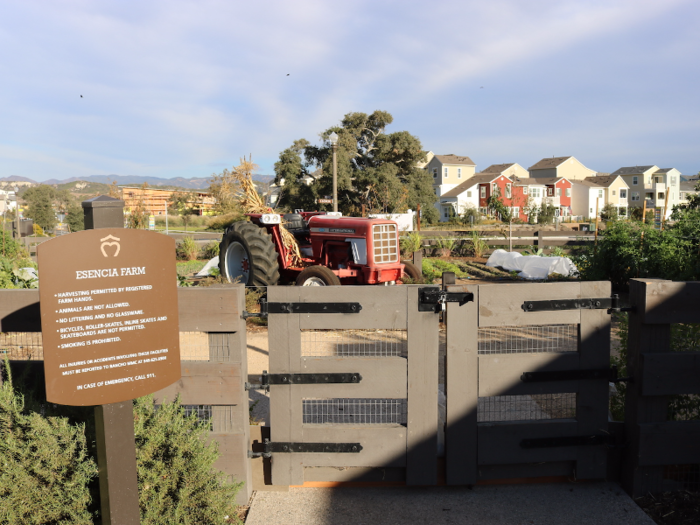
(103, 212)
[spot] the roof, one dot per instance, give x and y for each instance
(603, 180)
(470, 182)
(688, 185)
(498, 168)
(546, 164)
(455, 159)
(593, 182)
(526, 181)
(663, 170)
(632, 170)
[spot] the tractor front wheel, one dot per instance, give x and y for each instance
(317, 276)
(247, 255)
(411, 270)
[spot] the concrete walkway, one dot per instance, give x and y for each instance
(599, 503)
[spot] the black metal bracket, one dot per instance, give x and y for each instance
(303, 308)
(433, 299)
(611, 304)
(270, 448)
(569, 441)
(608, 374)
(302, 379)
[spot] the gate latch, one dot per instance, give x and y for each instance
(609, 374)
(270, 448)
(302, 379)
(304, 308)
(434, 299)
(611, 304)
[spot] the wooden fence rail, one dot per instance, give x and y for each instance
(213, 357)
(656, 445)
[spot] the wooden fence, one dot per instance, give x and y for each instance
(213, 357)
(658, 449)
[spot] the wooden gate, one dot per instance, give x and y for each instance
(386, 422)
(505, 417)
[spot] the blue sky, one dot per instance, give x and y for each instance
(186, 88)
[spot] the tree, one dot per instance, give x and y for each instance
(374, 169)
(184, 203)
(40, 200)
(138, 215)
(609, 212)
(495, 203)
(75, 217)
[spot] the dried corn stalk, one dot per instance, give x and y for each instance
(251, 202)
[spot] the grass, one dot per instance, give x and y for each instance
(189, 267)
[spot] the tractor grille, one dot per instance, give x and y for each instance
(385, 243)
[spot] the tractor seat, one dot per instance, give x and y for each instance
(294, 221)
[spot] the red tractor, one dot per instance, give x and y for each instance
(334, 250)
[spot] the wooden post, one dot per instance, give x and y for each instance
(363, 211)
(418, 216)
(114, 423)
(644, 211)
(595, 242)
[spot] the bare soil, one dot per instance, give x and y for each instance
(672, 508)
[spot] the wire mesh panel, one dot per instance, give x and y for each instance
(354, 343)
(355, 411)
(528, 339)
(203, 412)
(526, 408)
(20, 346)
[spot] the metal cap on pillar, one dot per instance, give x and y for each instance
(103, 212)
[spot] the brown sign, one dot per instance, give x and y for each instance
(109, 315)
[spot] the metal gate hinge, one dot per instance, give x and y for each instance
(303, 379)
(434, 299)
(569, 441)
(611, 304)
(608, 374)
(303, 308)
(270, 448)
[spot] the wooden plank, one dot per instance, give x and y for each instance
(668, 302)
(205, 383)
(499, 443)
(636, 479)
(557, 468)
(19, 311)
(382, 446)
(355, 474)
(593, 396)
(499, 374)
(501, 304)
(285, 402)
(233, 461)
(462, 380)
(382, 377)
(211, 309)
(671, 373)
(669, 443)
(382, 307)
(422, 393)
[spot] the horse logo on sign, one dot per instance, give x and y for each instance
(105, 243)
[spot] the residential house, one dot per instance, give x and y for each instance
(510, 169)
(555, 191)
(593, 193)
(687, 188)
(428, 157)
(448, 172)
(557, 167)
(156, 200)
(651, 184)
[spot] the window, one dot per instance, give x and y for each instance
(469, 195)
(535, 192)
(682, 195)
(515, 212)
(591, 211)
(568, 192)
(613, 192)
(649, 196)
(494, 188)
(623, 194)
(435, 189)
(635, 179)
(459, 173)
(435, 173)
(558, 192)
(550, 191)
(673, 180)
(635, 195)
(509, 191)
(600, 194)
(444, 172)
(658, 180)
(661, 196)
(483, 192)
(446, 212)
(524, 190)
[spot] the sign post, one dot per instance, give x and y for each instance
(109, 316)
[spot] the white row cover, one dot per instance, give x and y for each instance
(532, 266)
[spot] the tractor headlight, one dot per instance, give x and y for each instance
(271, 218)
(334, 214)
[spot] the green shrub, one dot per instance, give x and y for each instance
(434, 268)
(45, 467)
(177, 482)
(211, 250)
(187, 249)
(479, 246)
(410, 243)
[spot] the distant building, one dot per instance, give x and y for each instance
(593, 193)
(156, 200)
(509, 169)
(556, 167)
(448, 172)
(652, 184)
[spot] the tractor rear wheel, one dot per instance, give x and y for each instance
(247, 255)
(317, 276)
(412, 271)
